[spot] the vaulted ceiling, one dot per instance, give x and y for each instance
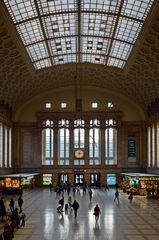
(21, 79)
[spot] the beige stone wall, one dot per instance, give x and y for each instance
(131, 111)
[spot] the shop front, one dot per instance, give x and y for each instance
(111, 179)
(47, 179)
(143, 184)
(14, 183)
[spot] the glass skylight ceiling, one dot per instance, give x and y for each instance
(68, 31)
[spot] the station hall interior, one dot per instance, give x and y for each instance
(79, 105)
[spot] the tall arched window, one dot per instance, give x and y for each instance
(79, 140)
(47, 143)
(63, 142)
(110, 142)
(94, 142)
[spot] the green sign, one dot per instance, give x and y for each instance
(131, 148)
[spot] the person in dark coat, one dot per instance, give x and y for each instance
(11, 204)
(20, 203)
(90, 194)
(2, 211)
(75, 206)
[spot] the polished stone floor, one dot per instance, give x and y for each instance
(138, 220)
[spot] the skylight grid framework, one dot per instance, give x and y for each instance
(69, 31)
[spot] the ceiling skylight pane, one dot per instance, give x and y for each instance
(37, 51)
(59, 25)
(42, 64)
(136, 8)
(114, 62)
(30, 32)
(21, 9)
(62, 46)
(102, 5)
(102, 31)
(120, 50)
(95, 45)
(47, 7)
(98, 59)
(127, 30)
(96, 24)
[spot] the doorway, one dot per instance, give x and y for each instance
(95, 179)
(79, 179)
(63, 179)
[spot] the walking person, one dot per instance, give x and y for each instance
(75, 206)
(70, 202)
(61, 202)
(106, 187)
(90, 194)
(50, 186)
(22, 218)
(11, 204)
(97, 212)
(116, 196)
(130, 197)
(20, 203)
(74, 190)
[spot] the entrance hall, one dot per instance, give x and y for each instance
(126, 221)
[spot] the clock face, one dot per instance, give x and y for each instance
(79, 153)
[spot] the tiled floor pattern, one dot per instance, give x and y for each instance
(123, 221)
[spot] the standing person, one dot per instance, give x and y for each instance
(90, 194)
(20, 203)
(96, 213)
(75, 206)
(116, 185)
(74, 190)
(68, 189)
(2, 210)
(106, 187)
(70, 202)
(50, 186)
(116, 196)
(11, 205)
(130, 197)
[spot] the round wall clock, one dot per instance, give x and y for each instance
(79, 153)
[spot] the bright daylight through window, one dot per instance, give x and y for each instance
(101, 31)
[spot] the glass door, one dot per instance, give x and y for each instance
(63, 179)
(95, 179)
(79, 179)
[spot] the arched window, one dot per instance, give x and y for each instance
(110, 143)
(94, 142)
(63, 142)
(79, 141)
(47, 143)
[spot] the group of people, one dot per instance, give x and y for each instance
(72, 205)
(14, 217)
